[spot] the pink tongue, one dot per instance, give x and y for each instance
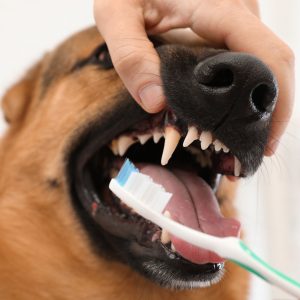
(193, 204)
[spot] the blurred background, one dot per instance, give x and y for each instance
(269, 203)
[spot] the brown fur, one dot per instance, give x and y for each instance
(44, 251)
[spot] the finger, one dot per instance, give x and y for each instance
(134, 57)
(253, 37)
(278, 56)
(283, 111)
(184, 36)
(253, 6)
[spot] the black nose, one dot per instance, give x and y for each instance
(239, 80)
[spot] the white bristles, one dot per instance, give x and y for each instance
(147, 191)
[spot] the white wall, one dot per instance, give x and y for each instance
(269, 203)
(30, 28)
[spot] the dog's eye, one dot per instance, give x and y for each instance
(100, 56)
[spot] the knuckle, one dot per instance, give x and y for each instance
(136, 62)
(127, 59)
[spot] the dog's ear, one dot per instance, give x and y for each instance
(17, 99)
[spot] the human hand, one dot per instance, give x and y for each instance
(124, 24)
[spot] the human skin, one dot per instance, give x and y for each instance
(124, 24)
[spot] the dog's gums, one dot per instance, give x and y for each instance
(169, 127)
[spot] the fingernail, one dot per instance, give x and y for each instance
(152, 98)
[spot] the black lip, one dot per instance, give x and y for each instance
(91, 138)
(100, 131)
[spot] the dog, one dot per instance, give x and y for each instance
(71, 122)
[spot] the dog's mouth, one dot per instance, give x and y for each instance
(184, 159)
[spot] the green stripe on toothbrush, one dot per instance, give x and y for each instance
(257, 258)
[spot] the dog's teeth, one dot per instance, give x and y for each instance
(165, 237)
(157, 136)
(218, 145)
(124, 143)
(144, 138)
(173, 247)
(237, 167)
(205, 139)
(191, 136)
(114, 147)
(225, 149)
(172, 137)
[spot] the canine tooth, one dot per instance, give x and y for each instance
(157, 136)
(114, 147)
(191, 136)
(144, 138)
(172, 137)
(218, 145)
(237, 167)
(124, 143)
(205, 139)
(165, 237)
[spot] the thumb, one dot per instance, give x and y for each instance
(132, 53)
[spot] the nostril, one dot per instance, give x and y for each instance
(263, 98)
(219, 79)
(222, 78)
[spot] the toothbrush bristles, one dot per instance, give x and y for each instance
(127, 169)
(143, 187)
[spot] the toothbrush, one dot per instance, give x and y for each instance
(149, 199)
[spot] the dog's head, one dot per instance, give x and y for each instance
(72, 122)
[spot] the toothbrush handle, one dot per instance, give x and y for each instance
(246, 258)
(228, 247)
